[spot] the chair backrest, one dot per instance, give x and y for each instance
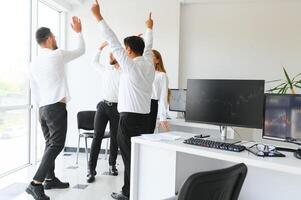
(223, 184)
(85, 120)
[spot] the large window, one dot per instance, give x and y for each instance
(48, 17)
(20, 133)
(14, 90)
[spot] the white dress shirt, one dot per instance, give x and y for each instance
(137, 75)
(110, 79)
(47, 74)
(160, 93)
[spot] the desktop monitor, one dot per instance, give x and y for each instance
(177, 100)
(225, 102)
(282, 117)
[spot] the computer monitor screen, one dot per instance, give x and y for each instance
(225, 102)
(282, 117)
(177, 100)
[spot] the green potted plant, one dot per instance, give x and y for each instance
(287, 84)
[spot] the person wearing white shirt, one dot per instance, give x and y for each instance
(159, 103)
(50, 93)
(135, 89)
(106, 112)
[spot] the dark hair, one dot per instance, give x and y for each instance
(42, 35)
(135, 43)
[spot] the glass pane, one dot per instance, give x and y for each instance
(47, 17)
(50, 18)
(14, 40)
(14, 139)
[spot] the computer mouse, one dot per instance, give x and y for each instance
(297, 153)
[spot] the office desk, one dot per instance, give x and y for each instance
(158, 169)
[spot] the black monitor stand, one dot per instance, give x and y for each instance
(224, 138)
(297, 153)
(181, 115)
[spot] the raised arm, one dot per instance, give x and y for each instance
(116, 47)
(149, 38)
(80, 50)
(95, 62)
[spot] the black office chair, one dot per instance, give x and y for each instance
(85, 125)
(223, 184)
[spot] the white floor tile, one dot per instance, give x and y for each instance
(101, 189)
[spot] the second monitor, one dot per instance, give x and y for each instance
(177, 100)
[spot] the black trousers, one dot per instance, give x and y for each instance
(153, 115)
(130, 125)
(105, 112)
(53, 119)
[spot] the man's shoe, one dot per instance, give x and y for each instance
(55, 184)
(113, 170)
(37, 191)
(119, 196)
(91, 177)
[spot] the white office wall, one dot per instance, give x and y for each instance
(240, 39)
(126, 17)
(218, 39)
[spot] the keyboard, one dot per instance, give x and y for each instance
(214, 144)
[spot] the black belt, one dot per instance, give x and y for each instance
(109, 103)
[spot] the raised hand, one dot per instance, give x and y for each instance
(76, 24)
(103, 45)
(96, 11)
(149, 22)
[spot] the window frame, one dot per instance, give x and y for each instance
(32, 51)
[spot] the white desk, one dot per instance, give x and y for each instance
(158, 169)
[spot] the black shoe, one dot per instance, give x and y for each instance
(37, 191)
(113, 170)
(55, 184)
(119, 196)
(91, 177)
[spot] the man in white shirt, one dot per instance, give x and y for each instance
(50, 92)
(106, 112)
(135, 89)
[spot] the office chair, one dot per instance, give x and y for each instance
(223, 184)
(85, 125)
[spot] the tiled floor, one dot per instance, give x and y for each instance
(12, 186)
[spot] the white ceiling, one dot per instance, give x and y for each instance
(75, 2)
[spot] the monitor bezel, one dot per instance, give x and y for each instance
(229, 124)
(263, 128)
(185, 101)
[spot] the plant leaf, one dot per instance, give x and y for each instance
(273, 89)
(282, 89)
(288, 78)
(277, 87)
(298, 86)
(296, 76)
(285, 90)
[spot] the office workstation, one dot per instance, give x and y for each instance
(242, 103)
(150, 100)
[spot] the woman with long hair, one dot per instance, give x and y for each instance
(160, 95)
